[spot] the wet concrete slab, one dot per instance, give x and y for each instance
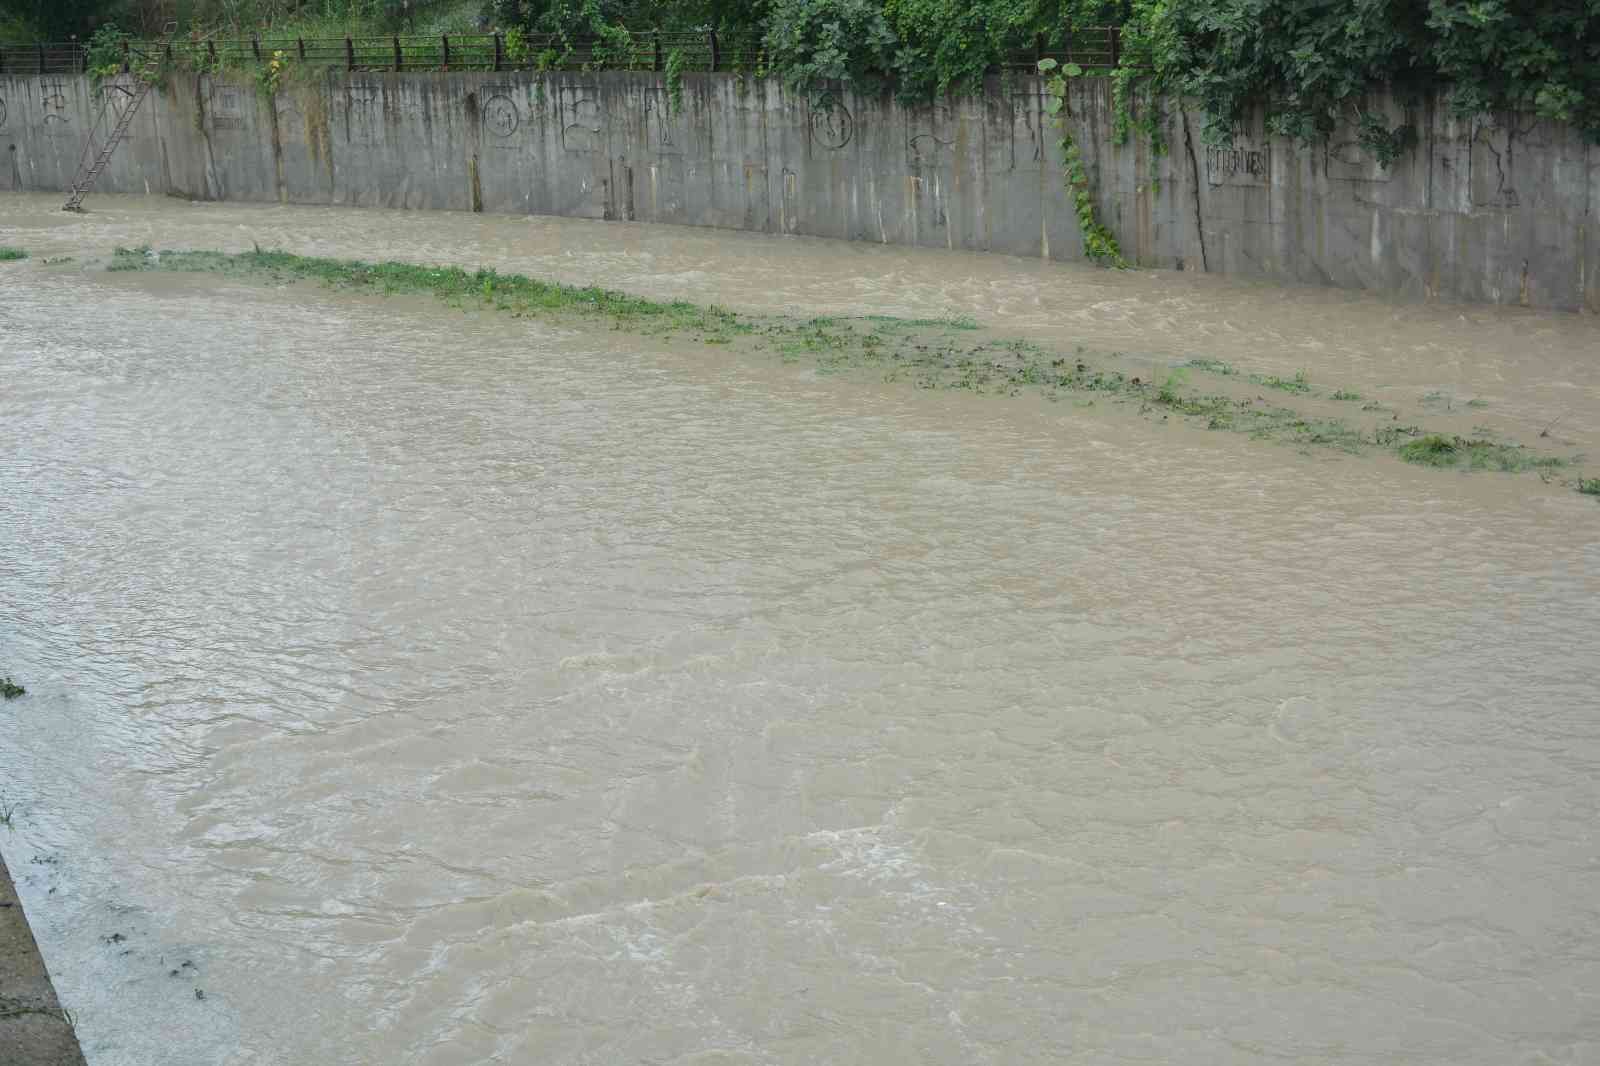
(34, 1031)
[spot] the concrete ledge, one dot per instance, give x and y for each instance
(33, 1029)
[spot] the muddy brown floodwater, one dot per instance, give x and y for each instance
(416, 687)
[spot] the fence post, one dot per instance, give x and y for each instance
(655, 50)
(41, 57)
(349, 53)
(499, 53)
(714, 56)
(398, 62)
(300, 47)
(445, 38)
(211, 54)
(255, 47)
(124, 55)
(1116, 39)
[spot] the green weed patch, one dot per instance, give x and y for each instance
(931, 353)
(1474, 454)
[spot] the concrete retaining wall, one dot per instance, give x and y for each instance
(1494, 208)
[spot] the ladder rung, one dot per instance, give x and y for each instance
(84, 180)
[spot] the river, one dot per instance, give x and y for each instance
(418, 686)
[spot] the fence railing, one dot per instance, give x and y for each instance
(42, 58)
(1093, 48)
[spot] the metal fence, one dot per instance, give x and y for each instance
(1094, 48)
(42, 59)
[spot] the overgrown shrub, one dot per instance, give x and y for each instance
(810, 42)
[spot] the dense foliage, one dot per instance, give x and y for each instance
(1309, 63)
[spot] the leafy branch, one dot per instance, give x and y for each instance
(674, 67)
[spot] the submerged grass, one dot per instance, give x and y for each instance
(1475, 454)
(929, 352)
(1298, 383)
(891, 322)
(506, 292)
(9, 254)
(1211, 366)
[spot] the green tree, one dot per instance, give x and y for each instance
(814, 41)
(1541, 57)
(1308, 62)
(52, 20)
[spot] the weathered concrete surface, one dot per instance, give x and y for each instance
(33, 1031)
(1501, 209)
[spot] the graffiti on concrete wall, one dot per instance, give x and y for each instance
(831, 125)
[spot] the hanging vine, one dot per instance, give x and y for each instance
(675, 63)
(1128, 87)
(1099, 243)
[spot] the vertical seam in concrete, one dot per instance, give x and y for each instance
(277, 149)
(1430, 156)
(1590, 169)
(1044, 159)
(213, 188)
(766, 159)
(1194, 173)
(157, 101)
(980, 195)
(1586, 226)
(474, 148)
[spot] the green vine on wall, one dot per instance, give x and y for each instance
(674, 67)
(198, 58)
(516, 45)
(1099, 243)
(269, 78)
(1127, 85)
(1149, 120)
(105, 56)
(612, 48)
(108, 52)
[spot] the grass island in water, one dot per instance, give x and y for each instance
(932, 353)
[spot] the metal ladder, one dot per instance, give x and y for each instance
(92, 162)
